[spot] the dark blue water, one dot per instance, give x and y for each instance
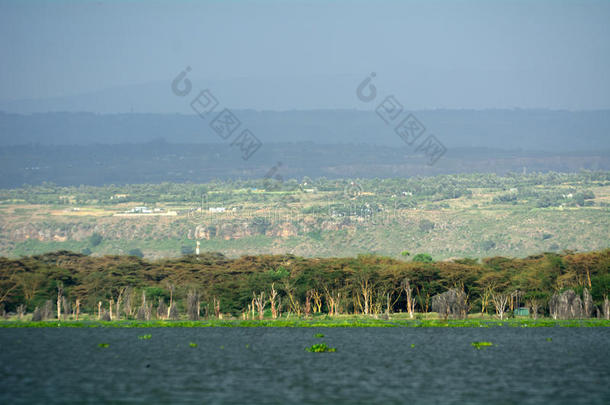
(270, 366)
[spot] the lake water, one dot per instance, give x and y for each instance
(271, 366)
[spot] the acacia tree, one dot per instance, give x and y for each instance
(317, 301)
(406, 286)
(260, 302)
(30, 284)
(333, 296)
(534, 306)
(293, 301)
(500, 302)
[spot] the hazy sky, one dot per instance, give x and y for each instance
(308, 54)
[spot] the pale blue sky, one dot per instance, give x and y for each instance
(312, 54)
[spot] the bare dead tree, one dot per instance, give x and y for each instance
(566, 305)
(105, 315)
(216, 302)
(500, 302)
(307, 308)
(486, 297)
(273, 301)
(452, 303)
(534, 306)
(366, 289)
(390, 301)
(377, 301)
(99, 310)
(606, 308)
(60, 292)
(162, 309)
(293, 301)
(110, 302)
(66, 307)
(259, 300)
(587, 302)
(145, 310)
(317, 301)
(77, 309)
(118, 302)
(333, 297)
(130, 304)
(171, 287)
(192, 305)
(37, 315)
(173, 312)
(406, 287)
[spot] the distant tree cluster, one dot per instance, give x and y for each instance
(64, 285)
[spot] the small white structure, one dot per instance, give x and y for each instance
(217, 209)
(140, 210)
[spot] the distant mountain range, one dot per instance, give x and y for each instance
(525, 130)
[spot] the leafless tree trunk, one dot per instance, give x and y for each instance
(534, 306)
(66, 307)
(332, 300)
(367, 291)
(308, 304)
(500, 301)
(606, 307)
(162, 312)
(99, 310)
(295, 306)
(486, 297)
(118, 302)
(317, 301)
(171, 287)
(20, 311)
(192, 305)
(110, 301)
(129, 302)
(77, 308)
(272, 301)
(60, 292)
(406, 286)
(217, 308)
(260, 304)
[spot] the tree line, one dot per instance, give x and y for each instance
(65, 285)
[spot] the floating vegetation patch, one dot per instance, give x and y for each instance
(549, 339)
(320, 348)
(193, 344)
(480, 345)
(319, 335)
(412, 345)
(103, 345)
(144, 337)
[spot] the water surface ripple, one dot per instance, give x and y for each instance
(270, 366)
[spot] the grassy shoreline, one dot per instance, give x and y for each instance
(351, 322)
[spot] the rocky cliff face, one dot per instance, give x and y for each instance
(159, 228)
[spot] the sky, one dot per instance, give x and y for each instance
(271, 55)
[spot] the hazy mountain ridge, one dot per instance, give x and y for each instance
(539, 130)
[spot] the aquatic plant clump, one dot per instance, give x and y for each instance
(320, 348)
(319, 335)
(103, 345)
(145, 337)
(193, 344)
(480, 345)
